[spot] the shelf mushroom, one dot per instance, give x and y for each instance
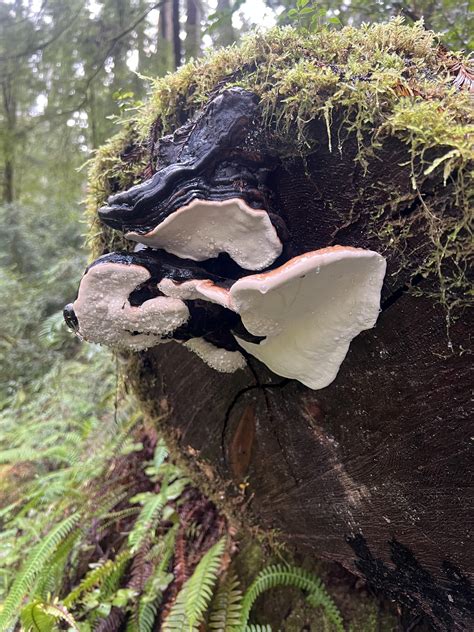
(298, 318)
(209, 194)
(203, 229)
(102, 312)
(309, 310)
(304, 313)
(120, 304)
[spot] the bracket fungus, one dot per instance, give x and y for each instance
(210, 193)
(212, 271)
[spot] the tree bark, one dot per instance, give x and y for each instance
(192, 43)
(165, 54)
(370, 471)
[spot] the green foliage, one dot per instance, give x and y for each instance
(308, 15)
(285, 575)
(40, 616)
(97, 577)
(194, 598)
(227, 605)
(34, 564)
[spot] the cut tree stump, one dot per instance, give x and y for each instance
(375, 470)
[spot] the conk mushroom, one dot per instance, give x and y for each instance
(213, 267)
(298, 319)
(204, 229)
(209, 195)
(306, 312)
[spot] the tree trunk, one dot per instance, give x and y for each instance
(165, 52)
(370, 471)
(9, 138)
(192, 43)
(225, 35)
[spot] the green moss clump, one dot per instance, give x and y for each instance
(373, 83)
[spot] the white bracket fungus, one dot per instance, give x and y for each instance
(203, 229)
(307, 310)
(105, 316)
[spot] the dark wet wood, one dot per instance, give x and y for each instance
(374, 470)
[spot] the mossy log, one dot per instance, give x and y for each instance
(372, 141)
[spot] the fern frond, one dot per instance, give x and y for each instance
(40, 616)
(111, 582)
(146, 616)
(37, 559)
(49, 579)
(161, 454)
(95, 577)
(148, 516)
(282, 575)
(258, 628)
(226, 609)
(201, 584)
(34, 619)
(194, 597)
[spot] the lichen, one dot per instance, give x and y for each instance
(371, 83)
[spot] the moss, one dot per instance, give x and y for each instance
(372, 83)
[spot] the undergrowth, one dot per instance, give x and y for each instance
(111, 549)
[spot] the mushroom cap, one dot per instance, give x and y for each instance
(196, 289)
(105, 315)
(203, 229)
(310, 309)
(218, 359)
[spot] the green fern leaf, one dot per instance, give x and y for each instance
(40, 616)
(96, 577)
(111, 582)
(226, 611)
(35, 562)
(194, 597)
(147, 615)
(149, 515)
(34, 619)
(161, 454)
(201, 584)
(280, 575)
(50, 578)
(258, 628)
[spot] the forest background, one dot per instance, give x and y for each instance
(71, 72)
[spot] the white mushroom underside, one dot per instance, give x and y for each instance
(203, 229)
(105, 315)
(219, 359)
(309, 309)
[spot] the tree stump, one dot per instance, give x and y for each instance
(371, 471)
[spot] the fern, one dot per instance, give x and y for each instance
(280, 575)
(227, 606)
(50, 577)
(151, 510)
(111, 582)
(146, 616)
(37, 559)
(194, 597)
(40, 616)
(258, 628)
(96, 577)
(153, 505)
(160, 455)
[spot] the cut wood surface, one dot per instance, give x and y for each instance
(372, 471)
